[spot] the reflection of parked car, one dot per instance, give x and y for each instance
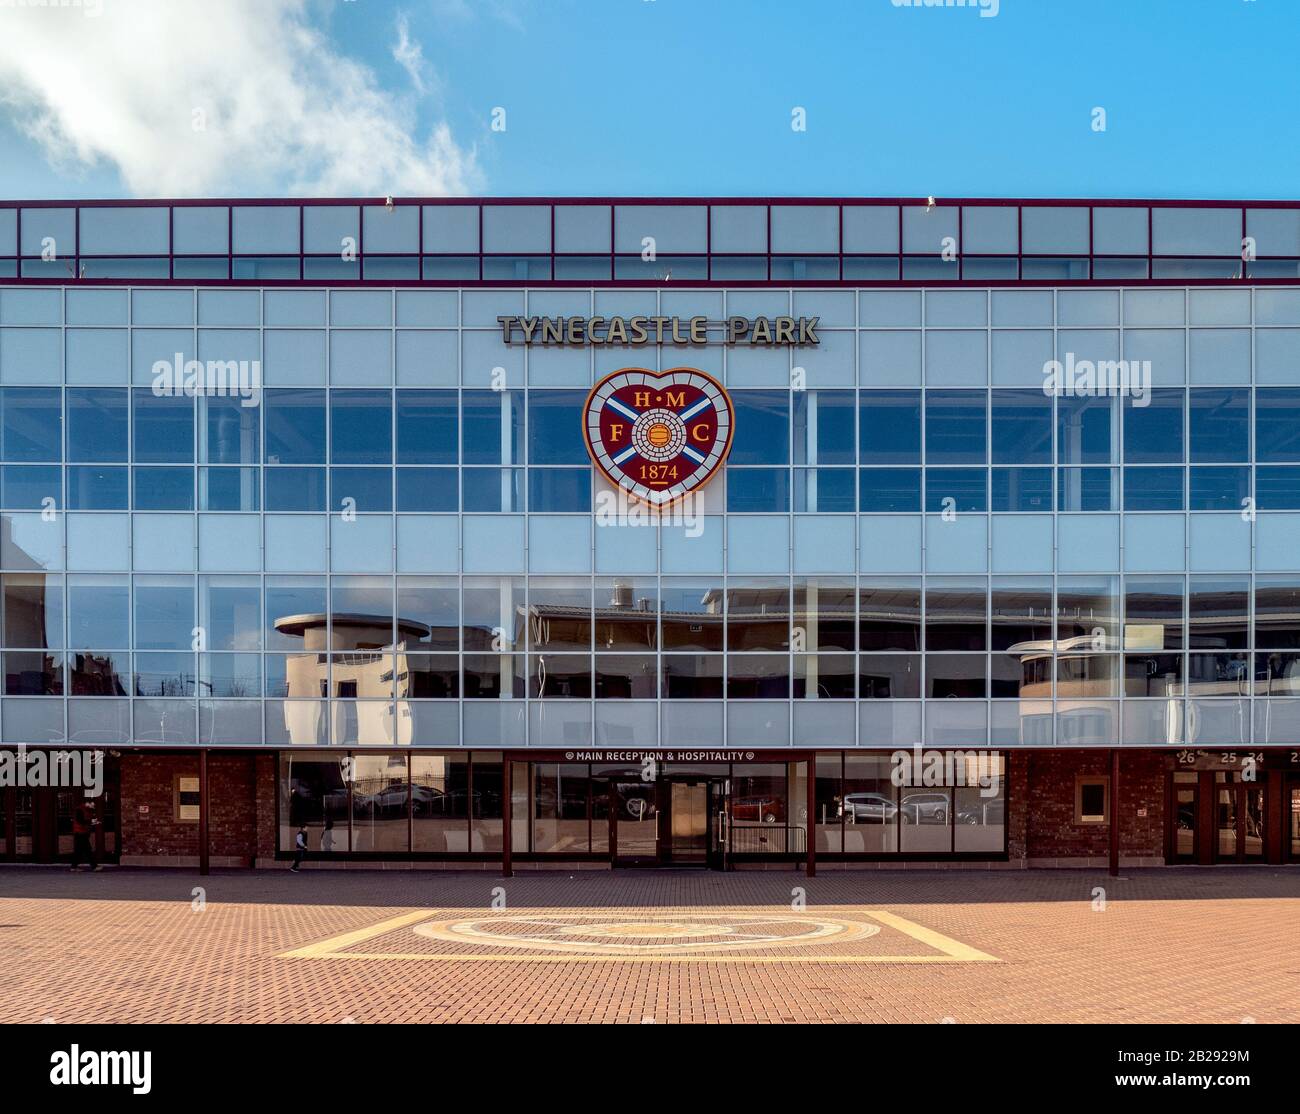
(925, 808)
(868, 806)
(766, 809)
(393, 798)
(991, 813)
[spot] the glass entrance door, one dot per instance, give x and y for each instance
(688, 826)
(1239, 821)
(1182, 839)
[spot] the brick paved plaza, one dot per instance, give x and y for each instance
(1189, 945)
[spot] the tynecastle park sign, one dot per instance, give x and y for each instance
(635, 332)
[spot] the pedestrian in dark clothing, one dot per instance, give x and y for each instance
(84, 824)
(299, 848)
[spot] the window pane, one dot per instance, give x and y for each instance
(97, 424)
(890, 430)
(824, 427)
(493, 425)
(559, 489)
(229, 431)
(32, 421)
(1219, 424)
(758, 489)
(1153, 489)
(1277, 424)
(889, 614)
(1087, 610)
(1022, 427)
(1086, 430)
(554, 419)
(1218, 613)
(1022, 489)
(890, 489)
(295, 427)
(1153, 434)
(361, 427)
(427, 427)
(1222, 489)
(692, 614)
(762, 429)
(1153, 613)
(956, 489)
(955, 427)
(163, 427)
(1277, 612)
(956, 610)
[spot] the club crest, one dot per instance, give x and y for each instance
(658, 436)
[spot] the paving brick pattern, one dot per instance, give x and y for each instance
(1175, 945)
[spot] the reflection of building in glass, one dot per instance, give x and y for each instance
(353, 663)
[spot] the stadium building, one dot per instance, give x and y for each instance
(523, 533)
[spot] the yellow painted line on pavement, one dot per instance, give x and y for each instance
(937, 940)
(327, 948)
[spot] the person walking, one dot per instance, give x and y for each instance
(299, 848)
(84, 823)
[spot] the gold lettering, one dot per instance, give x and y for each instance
(697, 435)
(678, 399)
(616, 431)
(641, 398)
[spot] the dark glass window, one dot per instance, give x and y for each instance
(1087, 489)
(97, 423)
(1085, 430)
(295, 426)
(1021, 614)
(555, 425)
(758, 489)
(956, 675)
(956, 611)
(1277, 488)
(1153, 433)
(955, 427)
(1153, 489)
(163, 429)
(1022, 489)
(956, 490)
(163, 489)
(229, 489)
(1021, 427)
(1218, 613)
(762, 434)
(426, 489)
(1153, 613)
(890, 489)
(825, 427)
(361, 427)
(295, 489)
(1218, 489)
(889, 614)
(692, 676)
(492, 489)
(427, 427)
(370, 489)
(890, 429)
(559, 489)
(482, 417)
(1277, 424)
(825, 489)
(1218, 424)
(31, 424)
(27, 486)
(99, 612)
(1277, 612)
(231, 432)
(92, 488)
(889, 676)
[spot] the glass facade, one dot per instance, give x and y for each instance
(398, 539)
(633, 241)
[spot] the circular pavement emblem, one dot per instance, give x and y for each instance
(658, 436)
(640, 935)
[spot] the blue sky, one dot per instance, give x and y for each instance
(651, 97)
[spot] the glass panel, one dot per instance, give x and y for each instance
(870, 805)
(314, 800)
(381, 803)
(560, 809)
(955, 427)
(956, 612)
(440, 803)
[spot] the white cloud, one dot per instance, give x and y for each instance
(282, 111)
(410, 56)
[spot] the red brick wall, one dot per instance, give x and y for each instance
(1050, 830)
(241, 793)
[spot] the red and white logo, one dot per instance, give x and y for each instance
(658, 436)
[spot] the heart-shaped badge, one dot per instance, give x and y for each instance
(658, 435)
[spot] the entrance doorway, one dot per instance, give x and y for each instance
(36, 823)
(1183, 818)
(671, 821)
(1291, 824)
(1238, 820)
